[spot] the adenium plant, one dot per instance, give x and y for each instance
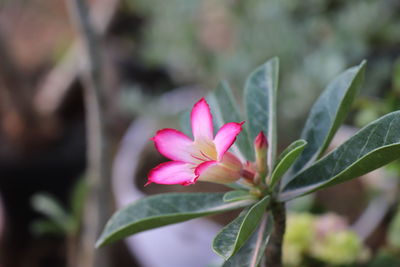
(243, 155)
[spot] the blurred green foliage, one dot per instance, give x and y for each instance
(208, 39)
(326, 240)
(385, 258)
(371, 108)
(339, 248)
(57, 220)
(394, 231)
(298, 237)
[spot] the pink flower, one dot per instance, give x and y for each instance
(206, 158)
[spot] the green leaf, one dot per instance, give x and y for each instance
(159, 210)
(50, 207)
(46, 227)
(251, 253)
(328, 113)
(260, 102)
(224, 242)
(286, 159)
(236, 195)
(385, 257)
(235, 234)
(372, 147)
(237, 186)
(228, 111)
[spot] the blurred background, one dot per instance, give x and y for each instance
(157, 58)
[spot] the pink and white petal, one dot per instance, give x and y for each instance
(173, 144)
(225, 137)
(212, 171)
(201, 168)
(201, 120)
(173, 172)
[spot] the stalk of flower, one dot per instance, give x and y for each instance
(206, 158)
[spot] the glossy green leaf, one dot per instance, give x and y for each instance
(328, 113)
(159, 210)
(251, 253)
(372, 147)
(286, 159)
(224, 242)
(235, 234)
(236, 195)
(228, 111)
(260, 99)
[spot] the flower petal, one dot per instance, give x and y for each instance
(201, 119)
(201, 168)
(212, 171)
(226, 136)
(173, 172)
(173, 144)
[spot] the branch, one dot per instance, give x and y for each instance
(18, 114)
(274, 248)
(55, 86)
(8, 69)
(97, 209)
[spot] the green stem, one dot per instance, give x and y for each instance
(274, 249)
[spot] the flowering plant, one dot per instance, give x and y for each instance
(243, 155)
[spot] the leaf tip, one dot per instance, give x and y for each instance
(99, 243)
(218, 252)
(102, 241)
(361, 67)
(275, 60)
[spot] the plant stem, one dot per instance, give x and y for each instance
(274, 249)
(98, 203)
(18, 113)
(72, 250)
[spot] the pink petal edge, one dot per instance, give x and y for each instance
(173, 144)
(172, 172)
(226, 136)
(204, 166)
(201, 120)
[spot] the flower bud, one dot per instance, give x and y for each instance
(261, 148)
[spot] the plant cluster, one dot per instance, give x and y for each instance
(242, 157)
